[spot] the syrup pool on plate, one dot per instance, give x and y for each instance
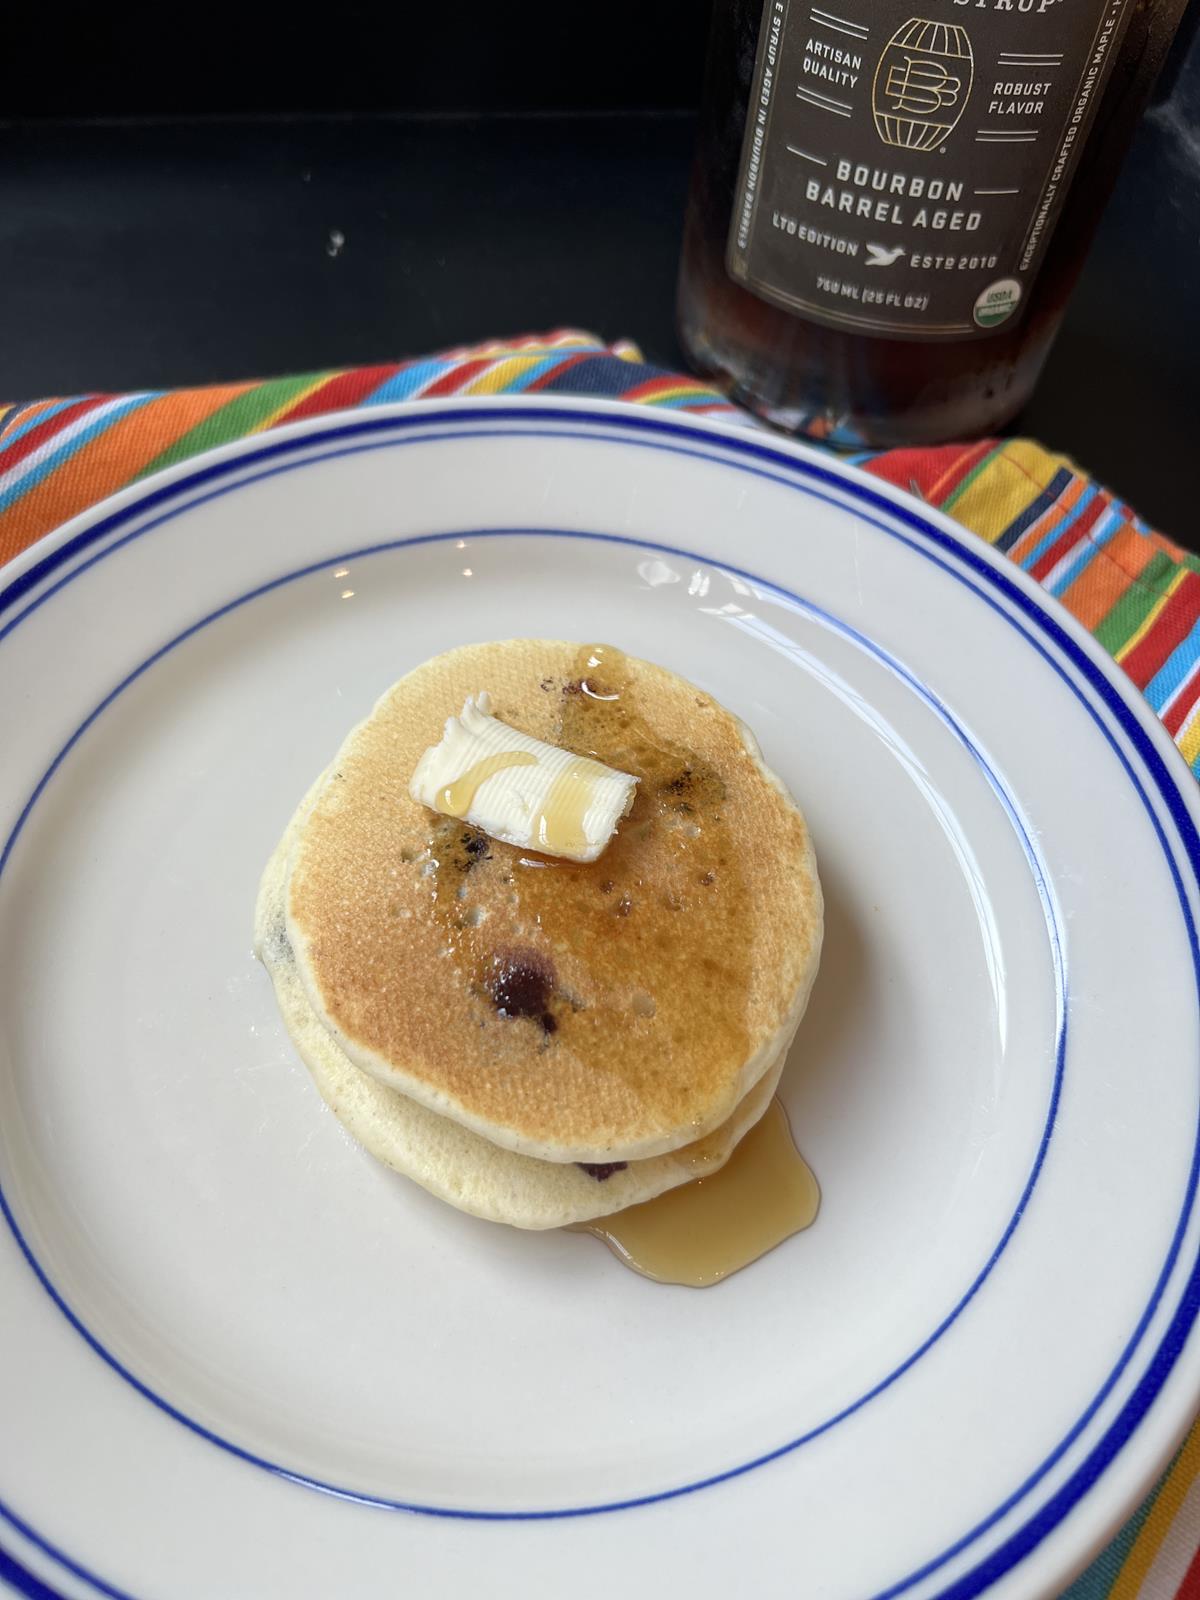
(701, 1232)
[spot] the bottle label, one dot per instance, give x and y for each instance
(905, 161)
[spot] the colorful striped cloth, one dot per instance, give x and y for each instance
(1137, 593)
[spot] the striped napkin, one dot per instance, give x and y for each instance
(1134, 590)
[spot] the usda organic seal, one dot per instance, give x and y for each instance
(997, 302)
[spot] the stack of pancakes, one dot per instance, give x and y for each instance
(541, 1041)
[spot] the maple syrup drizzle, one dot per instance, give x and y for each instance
(701, 1232)
(560, 826)
(456, 798)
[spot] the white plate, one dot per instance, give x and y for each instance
(239, 1358)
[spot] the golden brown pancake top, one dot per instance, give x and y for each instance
(594, 1011)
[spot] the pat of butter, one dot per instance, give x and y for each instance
(520, 790)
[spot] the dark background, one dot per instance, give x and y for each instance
(174, 186)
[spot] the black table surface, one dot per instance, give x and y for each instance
(153, 254)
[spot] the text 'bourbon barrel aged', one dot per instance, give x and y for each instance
(892, 199)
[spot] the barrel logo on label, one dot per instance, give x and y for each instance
(922, 83)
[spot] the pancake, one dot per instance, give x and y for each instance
(447, 1159)
(569, 1012)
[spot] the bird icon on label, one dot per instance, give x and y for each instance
(881, 255)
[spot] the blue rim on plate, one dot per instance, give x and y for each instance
(981, 576)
